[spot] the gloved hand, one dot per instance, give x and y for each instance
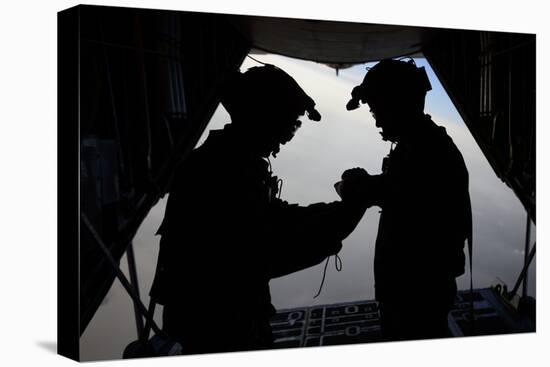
(355, 173)
(353, 185)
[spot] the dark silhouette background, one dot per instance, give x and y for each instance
(499, 219)
(147, 100)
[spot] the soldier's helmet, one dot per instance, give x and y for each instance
(266, 93)
(391, 79)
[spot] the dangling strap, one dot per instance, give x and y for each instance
(337, 264)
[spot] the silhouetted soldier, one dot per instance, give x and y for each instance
(423, 193)
(226, 233)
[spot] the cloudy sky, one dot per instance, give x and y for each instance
(309, 165)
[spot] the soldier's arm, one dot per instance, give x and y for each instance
(305, 236)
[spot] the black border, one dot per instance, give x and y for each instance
(68, 176)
